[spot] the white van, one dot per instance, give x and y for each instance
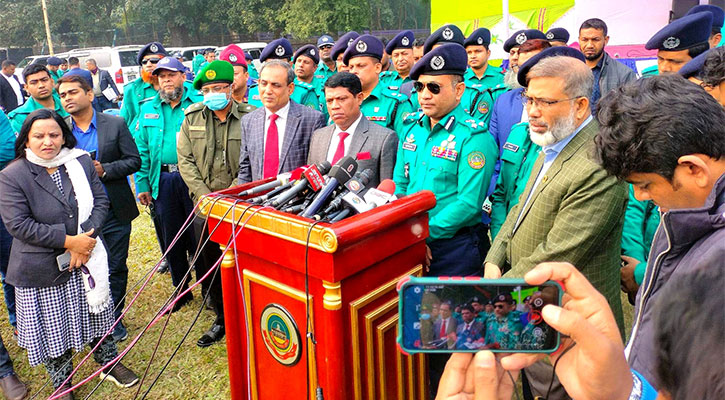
(119, 61)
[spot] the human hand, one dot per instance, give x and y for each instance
(77, 260)
(491, 271)
(428, 256)
(596, 359)
(629, 284)
(145, 198)
(99, 168)
(479, 377)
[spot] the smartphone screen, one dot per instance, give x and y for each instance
(445, 316)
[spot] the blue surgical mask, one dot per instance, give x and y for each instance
(216, 101)
(425, 316)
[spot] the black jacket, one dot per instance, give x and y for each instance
(38, 217)
(8, 99)
(119, 158)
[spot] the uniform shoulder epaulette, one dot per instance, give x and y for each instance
(146, 100)
(498, 87)
(395, 95)
(305, 85)
(394, 88)
(476, 125)
(194, 108)
(413, 117)
(246, 107)
(386, 73)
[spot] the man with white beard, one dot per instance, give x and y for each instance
(571, 209)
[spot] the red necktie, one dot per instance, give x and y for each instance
(443, 328)
(271, 149)
(340, 152)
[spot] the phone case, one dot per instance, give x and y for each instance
(63, 261)
(463, 281)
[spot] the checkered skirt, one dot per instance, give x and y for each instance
(54, 319)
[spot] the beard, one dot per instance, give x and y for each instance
(149, 78)
(560, 129)
(173, 95)
(595, 56)
(510, 79)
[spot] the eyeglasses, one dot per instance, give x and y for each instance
(214, 89)
(541, 103)
(433, 87)
(498, 306)
(150, 60)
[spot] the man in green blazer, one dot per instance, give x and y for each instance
(570, 209)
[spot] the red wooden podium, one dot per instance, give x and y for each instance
(351, 274)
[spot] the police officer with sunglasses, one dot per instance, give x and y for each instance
(144, 87)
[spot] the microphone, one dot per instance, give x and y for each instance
(356, 185)
(271, 193)
(312, 178)
(339, 174)
(382, 195)
(281, 180)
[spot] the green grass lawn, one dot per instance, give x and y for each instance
(194, 373)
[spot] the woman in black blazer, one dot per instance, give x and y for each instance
(53, 204)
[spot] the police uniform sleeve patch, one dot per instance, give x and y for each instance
(510, 147)
(483, 107)
(476, 160)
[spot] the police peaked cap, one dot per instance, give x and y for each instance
(364, 46)
(448, 33)
(550, 52)
(448, 59)
(519, 37)
(277, 49)
(683, 33)
(479, 37)
(151, 48)
(310, 51)
(403, 40)
(557, 35)
(341, 44)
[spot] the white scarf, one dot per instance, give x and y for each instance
(99, 297)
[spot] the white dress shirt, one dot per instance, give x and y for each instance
(336, 138)
(16, 88)
(281, 125)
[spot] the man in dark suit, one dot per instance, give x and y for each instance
(101, 81)
(373, 145)
(445, 325)
(276, 137)
(115, 157)
(12, 94)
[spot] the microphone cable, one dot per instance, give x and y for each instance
(309, 334)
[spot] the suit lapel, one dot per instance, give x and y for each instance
(258, 153)
(359, 138)
(101, 129)
(46, 182)
(324, 144)
(290, 131)
(567, 152)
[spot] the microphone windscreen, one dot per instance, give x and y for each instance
(387, 186)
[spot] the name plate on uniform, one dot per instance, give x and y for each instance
(444, 153)
(409, 146)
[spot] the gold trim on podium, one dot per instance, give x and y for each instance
(332, 299)
(369, 318)
(279, 225)
(355, 307)
(249, 276)
(381, 329)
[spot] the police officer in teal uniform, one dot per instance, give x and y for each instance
(479, 71)
(158, 181)
(305, 61)
(327, 66)
(380, 105)
(446, 151)
(400, 49)
(680, 41)
(503, 328)
(142, 88)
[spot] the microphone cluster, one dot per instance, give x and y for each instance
(323, 191)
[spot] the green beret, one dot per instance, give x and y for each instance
(215, 71)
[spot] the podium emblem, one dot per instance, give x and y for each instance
(281, 335)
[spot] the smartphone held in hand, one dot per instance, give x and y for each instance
(450, 315)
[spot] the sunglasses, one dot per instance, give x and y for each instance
(433, 87)
(498, 306)
(150, 60)
(91, 281)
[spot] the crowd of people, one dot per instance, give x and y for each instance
(564, 155)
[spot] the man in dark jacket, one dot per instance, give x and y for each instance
(683, 173)
(608, 73)
(12, 94)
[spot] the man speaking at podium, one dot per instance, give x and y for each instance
(351, 134)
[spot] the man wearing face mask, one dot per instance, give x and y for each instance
(158, 181)
(208, 151)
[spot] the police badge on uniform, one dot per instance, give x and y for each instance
(361, 46)
(476, 160)
(483, 107)
(233, 57)
(279, 51)
(447, 34)
(405, 41)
